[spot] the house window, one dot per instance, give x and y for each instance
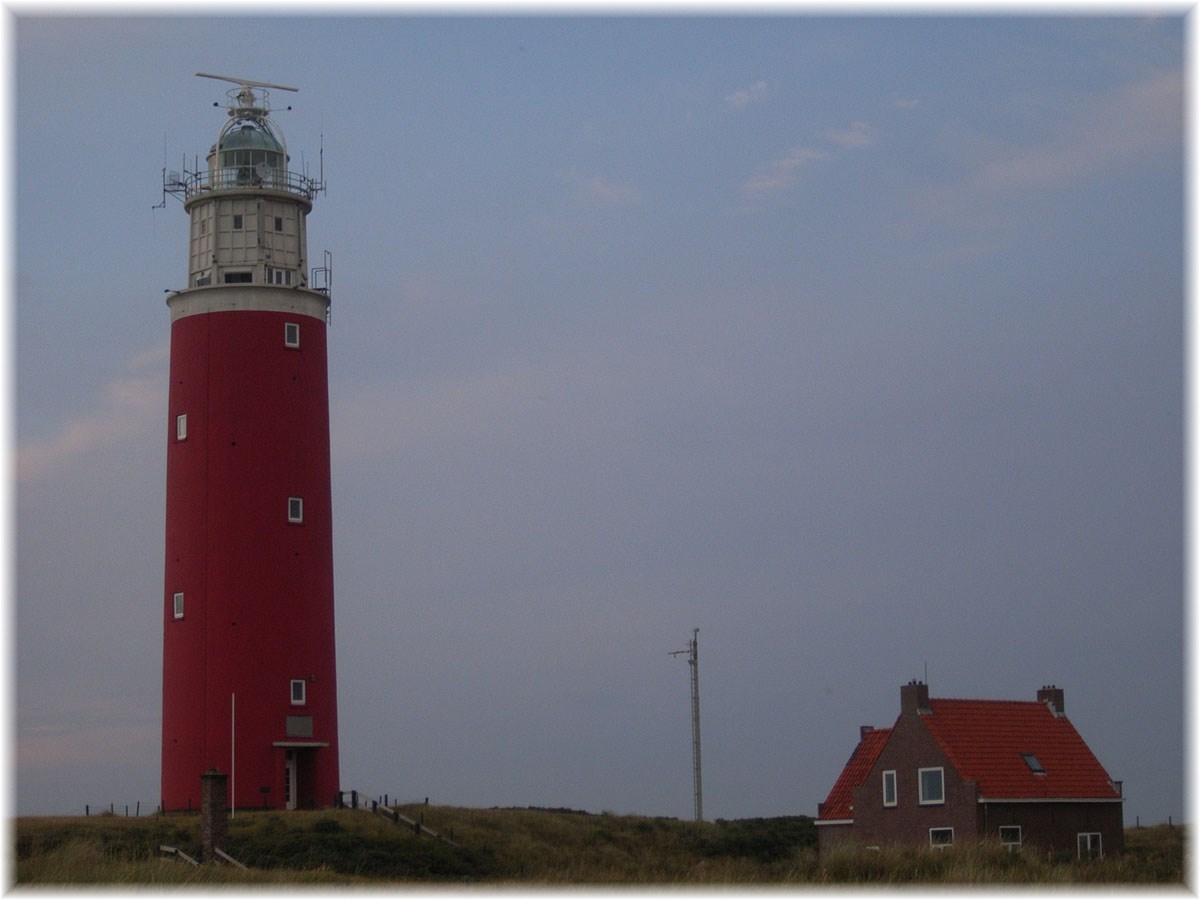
(291, 334)
(1089, 845)
(889, 788)
(181, 427)
(931, 785)
(1010, 837)
(177, 605)
(298, 691)
(295, 509)
(1034, 766)
(941, 838)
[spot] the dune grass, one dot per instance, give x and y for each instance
(538, 847)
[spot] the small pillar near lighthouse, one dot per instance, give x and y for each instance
(214, 822)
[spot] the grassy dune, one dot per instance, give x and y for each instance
(525, 846)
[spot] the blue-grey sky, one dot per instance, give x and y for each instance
(856, 343)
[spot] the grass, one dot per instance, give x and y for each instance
(1152, 855)
(545, 847)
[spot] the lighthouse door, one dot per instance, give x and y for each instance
(289, 780)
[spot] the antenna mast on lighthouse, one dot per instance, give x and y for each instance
(694, 663)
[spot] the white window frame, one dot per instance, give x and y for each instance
(1099, 845)
(941, 845)
(295, 510)
(291, 334)
(299, 692)
(928, 801)
(1009, 843)
(177, 605)
(181, 427)
(889, 779)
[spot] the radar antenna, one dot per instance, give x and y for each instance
(249, 98)
(247, 83)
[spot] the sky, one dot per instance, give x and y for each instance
(855, 343)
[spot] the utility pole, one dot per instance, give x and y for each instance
(694, 663)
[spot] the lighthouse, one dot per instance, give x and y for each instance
(249, 684)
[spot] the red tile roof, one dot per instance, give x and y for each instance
(838, 804)
(986, 740)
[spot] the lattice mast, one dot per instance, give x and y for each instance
(693, 656)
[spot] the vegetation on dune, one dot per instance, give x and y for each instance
(538, 846)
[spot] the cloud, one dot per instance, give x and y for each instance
(126, 403)
(780, 174)
(388, 417)
(906, 104)
(756, 93)
(1132, 122)
(48, 746)
(1123, 127)
(597, 191)
(859, 134)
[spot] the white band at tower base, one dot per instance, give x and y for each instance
(254, 297)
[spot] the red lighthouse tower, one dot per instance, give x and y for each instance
(249, 683)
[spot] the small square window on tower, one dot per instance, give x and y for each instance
(291, 334)
(295, 509)
(181, 427)
(299, 692)
(177, 605)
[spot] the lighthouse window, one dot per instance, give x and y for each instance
(279, 223)
(237, 222)
(295, 509)
(298, 691)
(237, 278)
(181, 427)
(291, 334)
(177, 605)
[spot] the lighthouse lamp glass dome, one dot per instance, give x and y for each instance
(250, 153)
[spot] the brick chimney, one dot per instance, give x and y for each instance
(214, 827)
(914, 698)
(864, 730)
(1053, 697)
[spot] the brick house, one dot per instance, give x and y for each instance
(954, 771)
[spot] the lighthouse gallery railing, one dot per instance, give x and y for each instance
(240, 177)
